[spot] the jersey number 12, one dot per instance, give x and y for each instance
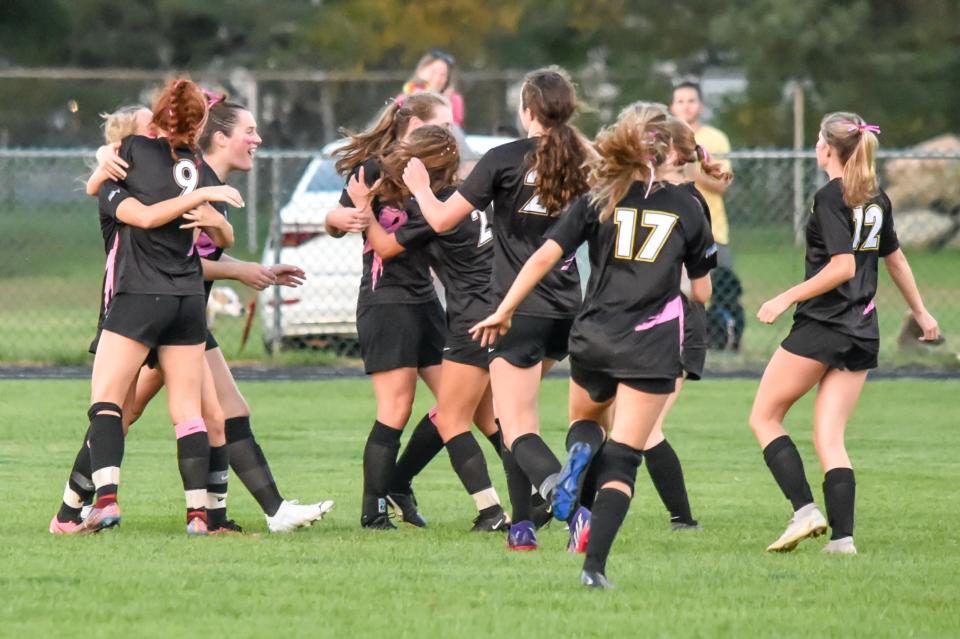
(660, 224)
(486, 234)
(872, 217)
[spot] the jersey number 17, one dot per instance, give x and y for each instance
(660, 224)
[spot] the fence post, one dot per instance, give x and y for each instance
(798, 198)
(252, 91)
(276, 231)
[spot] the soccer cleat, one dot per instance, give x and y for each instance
(567, 491)
(405, 507)
(85, 511)
(676, 524)
(292, 515)
(229, 527)
(522, 536)
(102, 518)
(842, 546)
(496, 521)
(807, 522)
(579, 531)
(541, 514)
(58, 527)
(592, 579)
(197, 527)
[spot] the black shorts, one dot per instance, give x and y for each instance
(813, 340)
(400, 335)
(158, 320)
(152, 360)
(531, 340)
(603, 386)
(464, 350)
(212, 342)
(693, 355)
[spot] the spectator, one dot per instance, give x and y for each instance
(434, 73)
(687, 105)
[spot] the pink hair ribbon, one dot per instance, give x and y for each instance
(212, 98)
(872, 128)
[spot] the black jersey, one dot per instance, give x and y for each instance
(109, 197)
(867, 233)
(631, 324)
(402, 279)
(710, 257)
(204, 245)
(462, 258)
(502, 177)
(158, 261)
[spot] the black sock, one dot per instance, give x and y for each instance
(79, 489)
(217, 487)
(424, 444)
(106, 454)
(471, 467)
(496, 440)
(839, 496)
(380, 459)
(588, 492)
(250, 464)
(518, 487)
(193, 458)
(667, 475)
(784, 461)
(537, 461)
(609, 511)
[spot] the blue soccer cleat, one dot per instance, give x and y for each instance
(566, 493)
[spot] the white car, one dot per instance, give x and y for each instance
(323, 311)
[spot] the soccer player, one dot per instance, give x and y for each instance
(834, 340)
(626, 340)
(529, 182)
(157, 304)
(462, 259)
(399, 319)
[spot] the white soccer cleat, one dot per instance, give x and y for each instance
(842, 546)
(807, 522)
(292, 515)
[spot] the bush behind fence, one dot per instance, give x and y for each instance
(51, 257)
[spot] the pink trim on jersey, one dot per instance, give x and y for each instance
(567, 262)
(870, 307)
(390, 219)
(204, 246)
(111, 268)
(673, 310)
(189, 427)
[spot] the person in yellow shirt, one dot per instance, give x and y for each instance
(687, 105)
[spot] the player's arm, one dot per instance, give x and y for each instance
(441, 215)
(841, 268)
(131, 211)
(701, 289)
(213, 223)
(384, 244)
(110, 166)
(902, 275)
(535, 269)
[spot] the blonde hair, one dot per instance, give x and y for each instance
(856, 147)
(688, 151)
(121, 123)
(634, 145)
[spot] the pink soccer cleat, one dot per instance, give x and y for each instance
(58, 527)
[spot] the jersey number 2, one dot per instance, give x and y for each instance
(486, 233)
(872, 217)
(660, 224)
(533, 206)
(186, 176)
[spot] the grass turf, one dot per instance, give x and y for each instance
(149, 580)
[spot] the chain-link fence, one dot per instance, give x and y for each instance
(51, 258)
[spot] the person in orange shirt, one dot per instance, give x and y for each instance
(687, 104)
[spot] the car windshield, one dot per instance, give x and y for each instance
(325, 178)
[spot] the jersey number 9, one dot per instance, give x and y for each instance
(186, 176)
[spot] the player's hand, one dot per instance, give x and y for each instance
(358, 190)
(222, 193)
(772, 309)
(491, 328)
(109, 161)
(929, 326)
(348, 220)
(256, 276)
(415, 176)
(288, 275)
(204, 216)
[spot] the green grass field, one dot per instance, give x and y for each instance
(147, 579)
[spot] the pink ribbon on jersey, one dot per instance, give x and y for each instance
(870, 307)
(390, 219)
(204, 246)
(673, 310)
(110, 270)
(567, 263)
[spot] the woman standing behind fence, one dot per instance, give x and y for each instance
(399, 320)
(835, 336)
(434, 72)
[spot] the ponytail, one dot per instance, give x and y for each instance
(688, 151)
(179, 113)
(390, 126)
(856, 144)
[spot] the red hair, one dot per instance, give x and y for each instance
(179, 112)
